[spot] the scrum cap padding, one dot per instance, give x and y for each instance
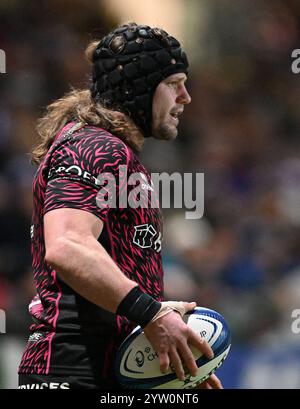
(129, 63)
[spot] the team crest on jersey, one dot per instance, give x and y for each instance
(36, 336)
(144, 236)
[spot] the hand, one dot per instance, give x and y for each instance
(213, 382)
(171, 339)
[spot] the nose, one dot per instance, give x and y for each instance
(183, 96)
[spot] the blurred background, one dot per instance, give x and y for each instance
(241, 130)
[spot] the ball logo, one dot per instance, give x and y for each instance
(139, 359)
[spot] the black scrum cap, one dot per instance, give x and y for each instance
(129, 63)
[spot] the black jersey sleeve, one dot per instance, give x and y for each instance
(86, 173)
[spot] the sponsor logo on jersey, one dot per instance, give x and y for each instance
(45, 385)
(145, 184)
(73, 170)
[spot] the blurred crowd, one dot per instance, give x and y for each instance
(241, 130)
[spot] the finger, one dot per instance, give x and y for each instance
(207, 385)
(176, 364)
(164, 362)
(201, 344)
(204, 385)
(215, 382)
(188, 358)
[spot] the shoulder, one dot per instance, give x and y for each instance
(90, 139)
(91, 147)
(98, 137)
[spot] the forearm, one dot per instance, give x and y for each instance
(89, 270)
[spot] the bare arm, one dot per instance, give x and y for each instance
(73, 250)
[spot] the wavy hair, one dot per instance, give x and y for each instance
(77, 105)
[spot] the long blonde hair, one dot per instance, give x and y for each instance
(77, 105)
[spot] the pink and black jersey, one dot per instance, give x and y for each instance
(69, 334)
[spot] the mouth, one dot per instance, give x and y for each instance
(175, 116)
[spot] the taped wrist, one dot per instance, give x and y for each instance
(169, 306)
(138, 307)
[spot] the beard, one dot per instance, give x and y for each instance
(164, 132)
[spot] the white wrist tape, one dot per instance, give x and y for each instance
(169, 306)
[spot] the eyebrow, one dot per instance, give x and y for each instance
(177, 79)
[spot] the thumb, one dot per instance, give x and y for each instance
(180, 306)
(188, 306)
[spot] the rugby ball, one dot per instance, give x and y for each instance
(137, 364)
